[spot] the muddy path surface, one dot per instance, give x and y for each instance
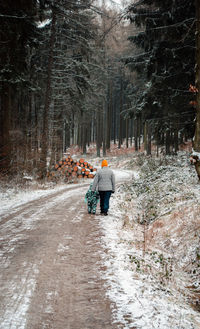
(52, 266)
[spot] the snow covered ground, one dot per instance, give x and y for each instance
(151, 240)
(152, 234)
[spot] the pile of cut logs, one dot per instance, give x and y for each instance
(68, 168)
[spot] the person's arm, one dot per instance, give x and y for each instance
(95, 183)
(113, 182)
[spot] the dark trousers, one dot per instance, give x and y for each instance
(104, 201)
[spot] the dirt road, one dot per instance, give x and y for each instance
(52, 267)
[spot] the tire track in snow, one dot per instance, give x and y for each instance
(23, 208)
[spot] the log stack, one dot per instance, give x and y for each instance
(69, 169)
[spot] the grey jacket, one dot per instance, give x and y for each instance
(104, 180)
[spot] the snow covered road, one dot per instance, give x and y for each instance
(51, 262)
(51, 266)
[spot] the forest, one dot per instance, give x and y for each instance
(83, 72)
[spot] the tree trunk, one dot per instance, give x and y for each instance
(167, 142)
(44, 141)
(98, 137)
(120, 131)
(114, 115)
(127, 131)
(149, 140)
(136, 134)
(139, 131)
(120, 141)
(176, 139)
(104, 123)
(84, 134)
(84, 140)
(131, 132)
(35, 134)
(5, 128)
(196, 145)
(109, 117)
(145, 135)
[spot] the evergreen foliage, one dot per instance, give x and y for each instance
(165, 63)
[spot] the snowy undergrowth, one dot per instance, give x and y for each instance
(163, 185)
(153, 237)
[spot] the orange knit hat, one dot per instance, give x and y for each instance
(104, 163)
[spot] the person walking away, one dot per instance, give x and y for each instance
(92, 198)
(104, 182)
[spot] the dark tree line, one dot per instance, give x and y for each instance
(165, 64)
(18, 35)
(43, 79)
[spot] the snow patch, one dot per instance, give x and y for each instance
(141, 301)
